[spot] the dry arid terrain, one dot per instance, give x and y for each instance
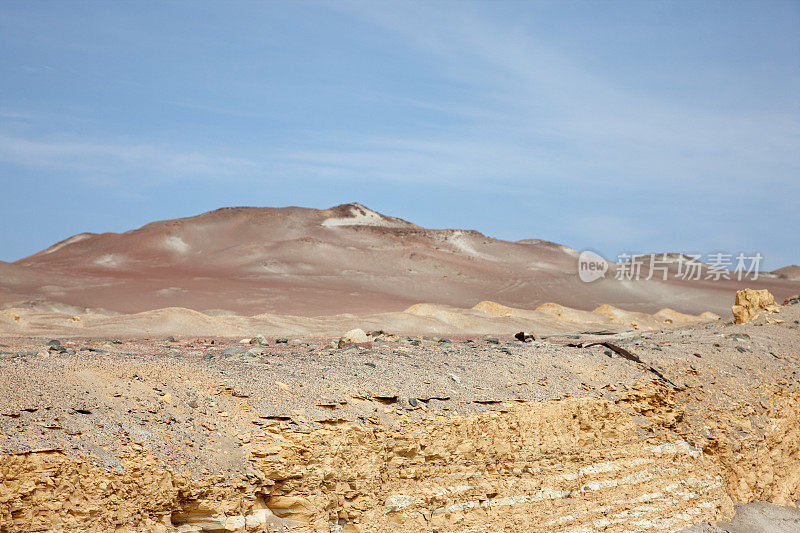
(253, 370)
(663, 428)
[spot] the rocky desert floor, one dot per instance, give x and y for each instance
(657, 430)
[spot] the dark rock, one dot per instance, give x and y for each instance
(738, 336)
(170, 339)
(492, 340)
(281, 341)
(93, 350)
(526, 337)
(413, 402)
(370, 364)
(54, 342)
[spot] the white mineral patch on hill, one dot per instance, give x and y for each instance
(170, 291)
(176, 244)
(66, 242)
(108, 260)
(460, 240)
(363, 216)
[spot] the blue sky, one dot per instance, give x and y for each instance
(615, 126)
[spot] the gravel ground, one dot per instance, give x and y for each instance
(193, 401)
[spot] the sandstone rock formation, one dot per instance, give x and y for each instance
(749, 302)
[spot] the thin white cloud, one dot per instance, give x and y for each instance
(548, 97)
(16, 115)
(101, 161)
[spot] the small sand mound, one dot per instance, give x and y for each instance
(670, 316)
(166, 321)
(627, 318)
(568, 313)
(442, 312)
(494, 309)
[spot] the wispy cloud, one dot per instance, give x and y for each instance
(543, 96)
(16, 115)
(99, 160)
(533, 114)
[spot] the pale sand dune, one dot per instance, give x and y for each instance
(424, 318)
(567, 313)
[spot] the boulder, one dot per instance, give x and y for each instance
(749, 302)
(259, 339)
(354, 336)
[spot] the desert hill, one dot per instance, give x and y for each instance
(789, 272)
(311, 262)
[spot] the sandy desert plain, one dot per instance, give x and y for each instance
(339, 370)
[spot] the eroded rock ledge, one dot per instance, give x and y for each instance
(576, 464)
